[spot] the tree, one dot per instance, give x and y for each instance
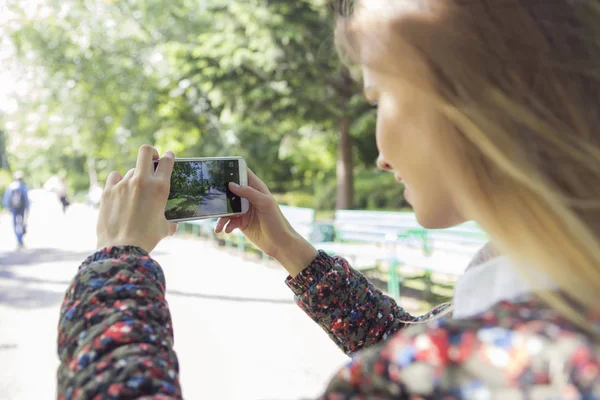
(180, 179)
(271, 65)
(216, 172)
(258, 78)
(100, 83)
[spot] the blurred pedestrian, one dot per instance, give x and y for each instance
(63, 194)
(94, 195)
(16, 199)
(58, 186)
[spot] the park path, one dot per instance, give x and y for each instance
(213, 203)
(238, 333)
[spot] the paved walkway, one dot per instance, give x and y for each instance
(213, 203)
(237, 332)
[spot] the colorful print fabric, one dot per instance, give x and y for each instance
(116, 340)
(514, 351)
(347, 306)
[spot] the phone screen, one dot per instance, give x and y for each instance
(200, 189)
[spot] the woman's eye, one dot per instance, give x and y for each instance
(374, 105)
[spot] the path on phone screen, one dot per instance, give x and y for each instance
(238, 333)
(214, 202)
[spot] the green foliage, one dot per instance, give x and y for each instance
(295, 199)
(379, 191)
(255, 78)
(324, 194)
(216, 175)
(180, 179)
(374, 190)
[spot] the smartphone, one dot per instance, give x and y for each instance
(200, 188)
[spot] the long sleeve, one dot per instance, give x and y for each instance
(513, 351)
(346, 305)
(115, 338)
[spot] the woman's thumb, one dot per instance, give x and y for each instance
(255, 197)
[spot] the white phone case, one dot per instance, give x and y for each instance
(243, 174)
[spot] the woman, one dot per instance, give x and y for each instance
(487, 112)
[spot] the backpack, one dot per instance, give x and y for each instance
(17, 200)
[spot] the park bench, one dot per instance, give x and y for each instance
(461, 238)
(386, 242)
(367, 236)
(203, 228)
(378, 242)
(301, 219)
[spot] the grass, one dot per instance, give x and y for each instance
(172, 203)
(181, 205)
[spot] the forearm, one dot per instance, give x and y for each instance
(115, 334)
(296, 255)
(345, 304)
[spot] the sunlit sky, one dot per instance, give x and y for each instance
(10, 80)
(7, 86)
(5, 81)
(7, 76)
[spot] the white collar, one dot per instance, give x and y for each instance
(482, 286)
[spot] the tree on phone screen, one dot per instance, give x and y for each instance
(217, 175)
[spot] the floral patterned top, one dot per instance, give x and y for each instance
(116, 340)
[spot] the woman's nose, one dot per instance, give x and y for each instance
(381, 163)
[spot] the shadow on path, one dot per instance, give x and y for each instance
(24, 292)
(229, 298)
(37, 256)
(40, 256)
(28, 297)
(29, 280)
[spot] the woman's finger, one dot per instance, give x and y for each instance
(165, 165)
(145, 160)
(221, 223)
(233, 224)
(129, 174)
(254, 196)
(113, 178)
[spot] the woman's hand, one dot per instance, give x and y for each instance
(132, 212)
(266, 227)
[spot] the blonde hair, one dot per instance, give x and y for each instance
(520, 83)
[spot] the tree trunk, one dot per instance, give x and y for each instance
(344, 165)
(345, 181)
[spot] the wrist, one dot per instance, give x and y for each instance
(296, 254)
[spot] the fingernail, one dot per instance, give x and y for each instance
(233, 185)
(169, 154)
